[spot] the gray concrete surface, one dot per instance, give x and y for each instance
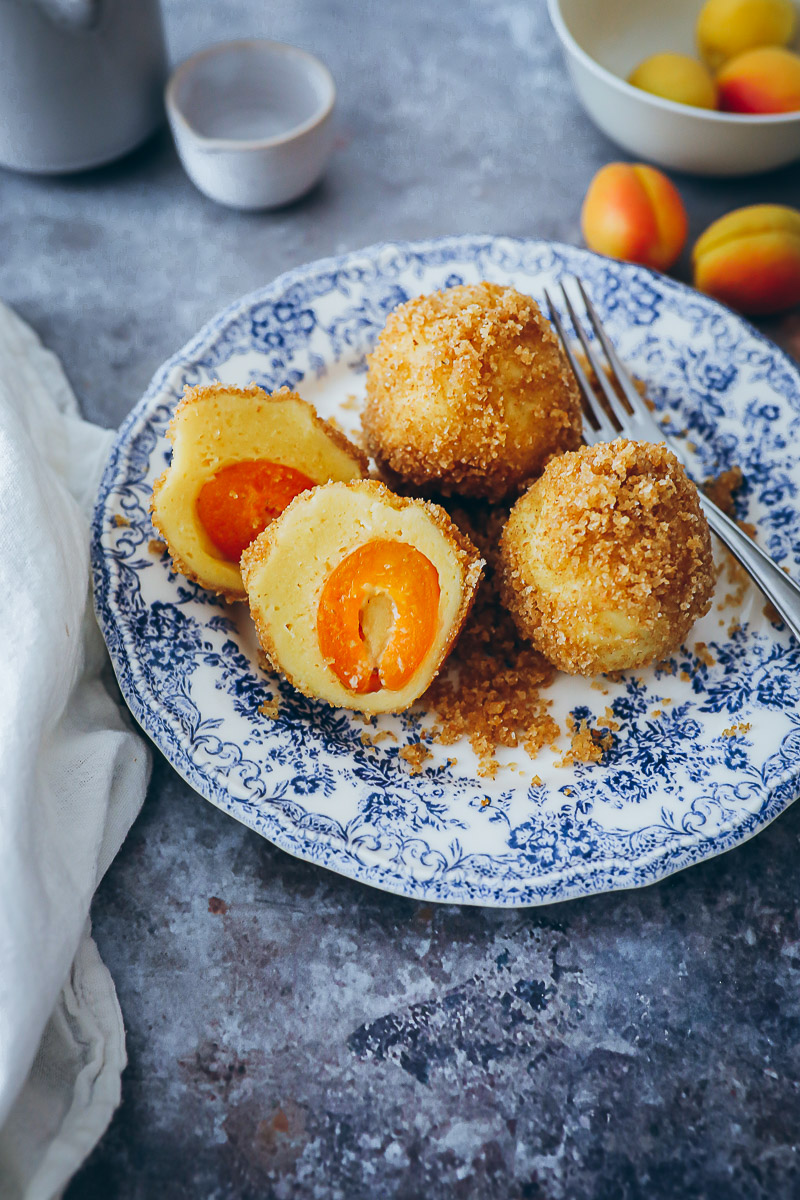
(292, 1034)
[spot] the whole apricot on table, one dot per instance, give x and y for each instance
(761, 81)
(750, 259)
(633, 212)
(676, 77)
(727, 28)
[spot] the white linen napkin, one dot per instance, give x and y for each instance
(73, 776)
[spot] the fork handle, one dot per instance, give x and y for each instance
(781, 591)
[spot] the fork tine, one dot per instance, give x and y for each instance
(621, 373)
(621, 413)
(642, 421)
(591, 406)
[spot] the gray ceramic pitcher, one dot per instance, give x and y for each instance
(81, 81)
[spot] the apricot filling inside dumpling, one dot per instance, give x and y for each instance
(239, 456)
(240, 500)
(377, 615)
(358, 594)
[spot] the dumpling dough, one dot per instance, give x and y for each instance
(606, 560)
(216, 428)
(469, 393)
(358, 594)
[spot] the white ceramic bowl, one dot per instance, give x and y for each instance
(252, 121)
(604, 40)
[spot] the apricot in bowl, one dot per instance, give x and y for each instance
(677, 77)
(728, 28)
(766, 80)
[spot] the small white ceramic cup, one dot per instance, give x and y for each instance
(252, 121)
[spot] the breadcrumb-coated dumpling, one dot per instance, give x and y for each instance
(606, 560)
(358, 594)
(469, 393)
(239, 455)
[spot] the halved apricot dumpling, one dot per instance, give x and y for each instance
(358, 594)
(239, 456)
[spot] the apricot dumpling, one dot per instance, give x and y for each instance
(239, 455)
(358, 594)
(606, 560)
(469, 393)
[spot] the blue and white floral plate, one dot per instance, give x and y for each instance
(708, 746)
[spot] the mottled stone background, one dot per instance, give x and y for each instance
(292, 1034)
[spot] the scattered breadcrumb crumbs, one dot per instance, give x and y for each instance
(656, 712)
(536, 781)
(738, 577)
(685, 676)
(415, 755)
(270, 708)
(598, 686)
(607, 721)
(351, 404)
(587, 745)
(491, 692)
(771, 613)
(486, 801)
(120, 521)
(721, 489)
(156, 546)
(735, 730)
(375, 739)
(704, 654)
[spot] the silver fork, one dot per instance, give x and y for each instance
(632, 418)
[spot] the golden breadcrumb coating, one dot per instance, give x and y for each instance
(286, 568)
(606, 560)
(469, 393)
(215, 425)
